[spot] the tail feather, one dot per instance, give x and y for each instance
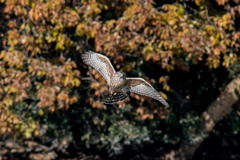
(115, 97)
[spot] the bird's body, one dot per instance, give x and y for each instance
(119, 84)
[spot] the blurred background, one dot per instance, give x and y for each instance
(187, 49)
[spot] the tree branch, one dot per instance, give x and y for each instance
(221, 107)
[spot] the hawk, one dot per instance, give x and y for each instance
(119, 84)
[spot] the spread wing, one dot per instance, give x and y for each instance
(140, 86)
(99, 62)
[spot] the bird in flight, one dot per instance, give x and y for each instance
(119, 84)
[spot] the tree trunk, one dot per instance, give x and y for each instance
(215, 112)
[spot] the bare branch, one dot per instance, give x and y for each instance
(221, 107)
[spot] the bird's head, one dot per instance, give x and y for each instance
(121, 75)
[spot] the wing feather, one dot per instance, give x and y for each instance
(99, 62)
(140, 86)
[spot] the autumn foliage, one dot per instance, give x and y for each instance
(43, 94)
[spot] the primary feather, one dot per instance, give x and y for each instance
(140, 86)
(100, 63)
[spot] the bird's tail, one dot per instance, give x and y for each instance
(115, 97)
